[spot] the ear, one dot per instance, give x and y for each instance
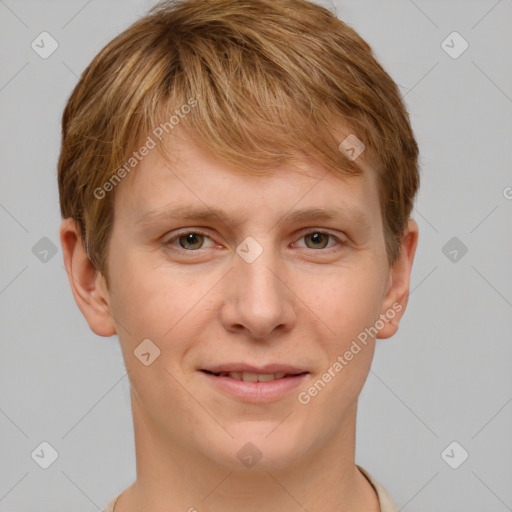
(397, 292)
(87, 284)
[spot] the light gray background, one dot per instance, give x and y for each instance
(446, 376)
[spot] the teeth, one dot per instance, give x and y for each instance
(253, 377)
(266, 377)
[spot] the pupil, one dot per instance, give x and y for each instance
(191, 241)
(318, 239)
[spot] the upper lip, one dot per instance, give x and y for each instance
(244, 367)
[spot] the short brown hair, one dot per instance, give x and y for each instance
(272, 81)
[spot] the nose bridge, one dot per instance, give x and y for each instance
(257, 299)
(261, 283)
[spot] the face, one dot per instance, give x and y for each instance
(270, 278)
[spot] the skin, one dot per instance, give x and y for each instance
(302, 302)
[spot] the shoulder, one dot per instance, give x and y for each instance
(110, 505)
(385, 501)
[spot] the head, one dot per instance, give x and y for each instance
(236, 182)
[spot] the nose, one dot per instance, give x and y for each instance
(258, 301)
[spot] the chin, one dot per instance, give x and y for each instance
(260, 447)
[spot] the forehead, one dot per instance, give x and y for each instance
(199, 185)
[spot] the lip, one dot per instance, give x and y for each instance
(256, 392)
(244, 367)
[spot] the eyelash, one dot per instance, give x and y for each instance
(170, 241)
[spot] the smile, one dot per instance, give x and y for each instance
(254, 387)
(253, 377)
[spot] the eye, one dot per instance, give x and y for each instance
(189, 240)
(195, 240)
(319, 240)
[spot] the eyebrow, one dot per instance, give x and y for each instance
(191, 213)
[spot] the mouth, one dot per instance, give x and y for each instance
(254, 377)
(251, 384)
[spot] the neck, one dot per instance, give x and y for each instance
(173, 475)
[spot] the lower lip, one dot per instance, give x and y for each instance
(256, 392)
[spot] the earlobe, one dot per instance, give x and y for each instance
(397, 295)
(87, 284)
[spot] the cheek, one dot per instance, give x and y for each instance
(145, 297)
(349, 306)
(159, 303)
(346, 302)
(138, 305)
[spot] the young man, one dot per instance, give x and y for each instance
(236, 180)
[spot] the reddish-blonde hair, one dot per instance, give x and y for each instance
(270, 81)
